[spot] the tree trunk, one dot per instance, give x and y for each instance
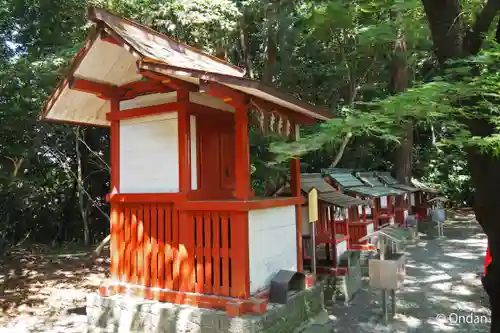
(271, 49)
(81, 189)
(244, 43)
(270, 57)
(399, 84)
(450, 42)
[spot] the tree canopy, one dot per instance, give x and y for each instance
(373, 63)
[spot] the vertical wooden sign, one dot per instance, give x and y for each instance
(313, 205)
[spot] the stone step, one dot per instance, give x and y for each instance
(319, 324)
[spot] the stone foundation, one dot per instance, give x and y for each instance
(346, 286)
(129, 315)
(365, 256)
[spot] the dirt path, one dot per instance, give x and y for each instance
(46, 292)
(442, 287)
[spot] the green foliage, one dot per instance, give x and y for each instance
(333, 53)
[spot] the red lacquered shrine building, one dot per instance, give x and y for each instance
(185, 224)
(337, 229)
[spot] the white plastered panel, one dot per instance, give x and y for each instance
(149, 154)
(78, 106)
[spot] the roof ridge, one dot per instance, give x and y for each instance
(93, 14)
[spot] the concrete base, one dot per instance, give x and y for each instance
(363, 261)
(348, 285)
(130, 315)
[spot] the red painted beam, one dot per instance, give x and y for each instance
(143, 111)
(101, 90)
(144, 87)
(106, 37)
(228, 95)
(127, 91)
(171, 82)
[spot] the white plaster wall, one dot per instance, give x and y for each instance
(273, 246)
(383, 202)
(341, 248)
(340, 213)
(368, 210)
(412, 199)
(194, 159)
(149, 157)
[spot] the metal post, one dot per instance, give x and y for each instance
(381, 243)
(313, 240)
(384, 306)
(393, 299)
(384, 292)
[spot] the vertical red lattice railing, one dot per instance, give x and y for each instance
(341, 227)
(146, 245)
(215, 258)
(157, 247)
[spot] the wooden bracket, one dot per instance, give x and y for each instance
(228, 95)
(101, 90)
(107, 37)
(168, 81)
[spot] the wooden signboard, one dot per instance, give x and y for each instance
(313, 205)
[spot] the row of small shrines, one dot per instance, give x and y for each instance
(352, 205)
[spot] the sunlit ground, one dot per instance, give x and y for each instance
(442, 291)
(45, 292)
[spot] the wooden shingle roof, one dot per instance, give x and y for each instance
(375, 192)
(314, 180)
(338, 199)
(136, 50)
(369, 178)
(392, 182)
(343, 177)
(326, 192)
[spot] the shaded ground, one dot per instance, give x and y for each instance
(42, 291)
(45, 292)
(442, 284)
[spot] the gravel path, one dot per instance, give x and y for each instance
(442, 291)
(442, 284)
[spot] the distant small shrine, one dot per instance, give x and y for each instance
(422, 198)
(393, 205)
(338, 229)
(382, 209)
(186, 227)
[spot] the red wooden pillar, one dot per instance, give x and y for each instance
(239, 223)
(240, 255)
(295, 189)
(186, 247)
(116, 258)
(184, 146)
(242, 154)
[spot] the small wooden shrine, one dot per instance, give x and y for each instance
(345, 182)
(186, 227)
(392, 204)
(422, 198)
(408, 200)
(337, 229)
